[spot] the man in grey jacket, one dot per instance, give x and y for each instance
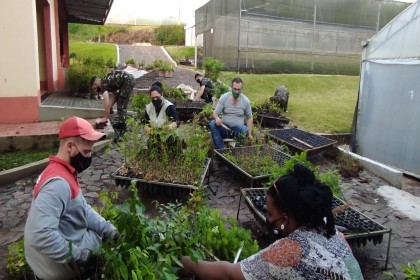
(235, 108)
(62, 230)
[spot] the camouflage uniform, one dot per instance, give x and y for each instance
(208, 90)
(123, 82)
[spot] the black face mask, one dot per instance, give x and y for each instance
(157, 103)
(198, 81)
(98, 89)
(80, 162)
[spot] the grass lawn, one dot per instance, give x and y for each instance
(178, 53)
(317, 103)
(19, 158)
(94, 50)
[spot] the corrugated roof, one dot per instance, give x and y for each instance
(87, 11)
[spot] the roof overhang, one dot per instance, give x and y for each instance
(87, 11)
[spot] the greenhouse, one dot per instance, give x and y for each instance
(284, 36)
(388, 113)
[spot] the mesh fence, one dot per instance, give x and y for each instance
(299, 36)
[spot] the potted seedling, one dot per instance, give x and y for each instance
(131, 62)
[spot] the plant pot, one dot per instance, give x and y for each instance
(169, 74)
(161, 73)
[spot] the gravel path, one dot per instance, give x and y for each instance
(149, 54)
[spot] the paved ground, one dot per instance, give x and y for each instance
(223, 193)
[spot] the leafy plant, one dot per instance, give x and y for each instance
(411, 271)
(212, 67)
(82, 70)
(150, 248)
(138, 104)
(348, 165)
(330, 178)
(130, 60)
(268, 108)
(142, 64)
(166, 66)
(170, 35)
(165, 155)
(219, 89)
(16, 262)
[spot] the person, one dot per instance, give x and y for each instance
(160, 112)
(120, 84)
(62, 230)
(235, 108)
(299, 212)
(206, 88)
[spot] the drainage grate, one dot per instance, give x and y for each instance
(301, 140)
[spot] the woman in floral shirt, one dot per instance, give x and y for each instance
(299, 211)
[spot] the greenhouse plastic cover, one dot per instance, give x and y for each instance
(388, 112)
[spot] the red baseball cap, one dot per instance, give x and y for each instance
(75, 126)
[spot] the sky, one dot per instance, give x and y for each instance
(156, 11)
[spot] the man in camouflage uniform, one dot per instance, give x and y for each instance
(206, 88)
(120, 84)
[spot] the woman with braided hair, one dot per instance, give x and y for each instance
(299, 212)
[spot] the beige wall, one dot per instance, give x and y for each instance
(19, 75)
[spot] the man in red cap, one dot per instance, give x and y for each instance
(62, 229)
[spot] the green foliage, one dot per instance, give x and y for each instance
(166, 66)
(331, 178)
(130, 60)
(86, 32)
(14, 159)
(138, 104)
(16, 262)
(255, 164)
(180, 53)
(166, 155)
(219, 89)
(173, 93)
(170, 35)
(103, 54)
(81, 71)
(212, 68)
(267, 107)
(411, 271)
(150, 248)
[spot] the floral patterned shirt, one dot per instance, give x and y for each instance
(304, 254)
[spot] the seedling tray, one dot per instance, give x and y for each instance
(187, 109)
(171, 189)
(299, 140)
(360, 229)
(251, 180)
(270, 121)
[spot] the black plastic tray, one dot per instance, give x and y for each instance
(299, 140)
(270, 121)
(252, 181)
(171, 189)
(187, 109)
(360, 228)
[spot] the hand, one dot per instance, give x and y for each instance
(103, 120)
(187, 270)
(218, 122)
(251, 138)
(147, 129)
(86, 259)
